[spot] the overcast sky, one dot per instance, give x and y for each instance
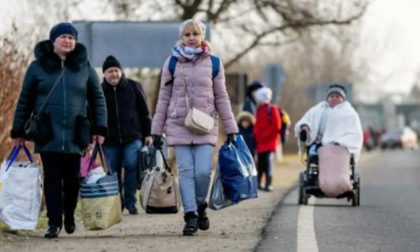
(389, 41)
(394, 55)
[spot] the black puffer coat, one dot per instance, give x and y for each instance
(128, 112)
(78, 85)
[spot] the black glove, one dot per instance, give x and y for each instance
(231, 138)
(303, 135)
(157, 141)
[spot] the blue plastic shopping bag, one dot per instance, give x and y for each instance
(237, 171)
(249, 185)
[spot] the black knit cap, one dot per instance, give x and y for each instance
(110, 61)
(63, 28)
(254, 85)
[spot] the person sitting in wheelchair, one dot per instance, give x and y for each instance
(332, 132)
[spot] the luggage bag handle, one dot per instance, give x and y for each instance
(167, 167)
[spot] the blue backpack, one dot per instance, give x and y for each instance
(214, 60)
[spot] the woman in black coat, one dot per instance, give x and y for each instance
(64, 132)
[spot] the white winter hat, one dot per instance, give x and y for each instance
(263, 95)
(195, 21)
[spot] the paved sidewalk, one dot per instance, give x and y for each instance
(237, 228)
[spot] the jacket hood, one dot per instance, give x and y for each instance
(50, 61)
(244, 115)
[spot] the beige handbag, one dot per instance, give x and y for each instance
(196, 120)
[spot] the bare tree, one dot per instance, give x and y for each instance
(17, 44)
(249, 24)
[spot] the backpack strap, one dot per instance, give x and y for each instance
(269, 109)
(172, 65)
(215, 61)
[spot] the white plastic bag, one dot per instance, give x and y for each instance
(20, 198)
(93, 175)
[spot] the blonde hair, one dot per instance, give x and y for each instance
(195, 27)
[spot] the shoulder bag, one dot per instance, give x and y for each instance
(196, 120)
(38, 127)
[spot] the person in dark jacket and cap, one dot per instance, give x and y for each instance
(250, 105)
(129, 125)
(62, 139)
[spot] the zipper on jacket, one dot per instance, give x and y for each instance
(192, 94)
(118, 115)
(64, 108)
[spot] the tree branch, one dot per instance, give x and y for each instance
(296, 25)
(190, 10)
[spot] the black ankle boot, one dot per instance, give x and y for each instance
(52, 232)
(203, 220)
(190, 227)
(69, 226)
(268, 186)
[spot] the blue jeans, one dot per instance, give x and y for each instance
(194, 171)
(125, 156)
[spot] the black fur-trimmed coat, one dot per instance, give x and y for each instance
(79, 85)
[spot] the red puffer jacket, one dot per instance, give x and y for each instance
(267, 127)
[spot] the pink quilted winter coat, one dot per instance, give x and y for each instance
(205, 94)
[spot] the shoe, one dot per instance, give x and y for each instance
(52, 232)
(268, 189)
(69, 226)
(132, 210)
(203, 220)
(191, 226)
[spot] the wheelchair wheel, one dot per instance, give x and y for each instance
(303, 197)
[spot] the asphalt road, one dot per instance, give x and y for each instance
(388, 218)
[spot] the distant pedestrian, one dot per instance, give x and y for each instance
(250, 104)
(129, 125)
(267, 135)
(246, 122)
(198, 78)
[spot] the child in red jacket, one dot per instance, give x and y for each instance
(266, 133)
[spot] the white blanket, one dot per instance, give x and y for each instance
(343, 126)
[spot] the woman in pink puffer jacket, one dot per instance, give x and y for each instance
(193, 152)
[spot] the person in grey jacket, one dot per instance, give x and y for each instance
(192, 80)
(64, 132)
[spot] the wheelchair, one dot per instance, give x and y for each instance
(309, 183)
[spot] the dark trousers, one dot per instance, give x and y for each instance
(61, 185)
(265, 167)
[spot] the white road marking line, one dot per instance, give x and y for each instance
(306, 239)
